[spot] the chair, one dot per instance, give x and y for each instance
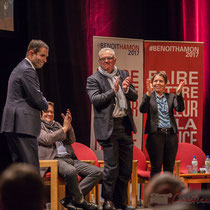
(142, 166)
(185, 153)
(84, 153)
(57, 185)
(143, 169)
(133, 181)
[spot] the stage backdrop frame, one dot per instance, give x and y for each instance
(182, 61)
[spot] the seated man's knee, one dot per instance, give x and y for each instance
(70, 173)
(99, 173)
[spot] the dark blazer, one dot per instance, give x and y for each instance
(24, 101)
(102, 96)
(149, 106)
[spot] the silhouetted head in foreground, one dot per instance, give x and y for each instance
(163, 189)
(21, 188)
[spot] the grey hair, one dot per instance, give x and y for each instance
(106, 48)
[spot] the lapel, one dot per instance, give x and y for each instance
(121, 76)
(153, 101)
(104, 82)
(26, 62)
(168, 100)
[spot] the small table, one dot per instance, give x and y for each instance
(195, 178)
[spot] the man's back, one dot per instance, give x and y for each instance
(24, 101)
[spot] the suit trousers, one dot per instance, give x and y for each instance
(90, 175)
(23, 148)
(162, 149)
(118, 156)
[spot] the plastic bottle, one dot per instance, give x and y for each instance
(194, 165)
(207, 164)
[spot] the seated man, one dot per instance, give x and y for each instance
(55, 143)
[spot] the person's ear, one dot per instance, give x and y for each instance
(31, 52)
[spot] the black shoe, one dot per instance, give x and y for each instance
(68, 204)
(126, 207)
(85, 205)
(108, 205)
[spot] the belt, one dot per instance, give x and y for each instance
(119, 118)
(165, 130)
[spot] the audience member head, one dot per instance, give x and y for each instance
(48, 116)
(37, 53)
(21, 188)
(163, 189)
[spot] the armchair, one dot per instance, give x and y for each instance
(84, 153)
(143, 171)
(57, 185)
(185, 154)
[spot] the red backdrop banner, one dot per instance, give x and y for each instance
(182, 61)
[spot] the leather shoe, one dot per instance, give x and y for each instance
(126, 207)
(108, 205)
(85, 205)
(68, 204)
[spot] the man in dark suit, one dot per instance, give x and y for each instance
(21, 116)
(110, 91)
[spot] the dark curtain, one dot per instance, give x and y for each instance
(62, 25)
(196, 27)
(68, 27)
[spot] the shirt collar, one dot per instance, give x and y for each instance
(162, 96)
(51, 124)
(30, 63)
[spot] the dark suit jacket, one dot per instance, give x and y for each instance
(102, 96)
(149, 106)
(24, 101)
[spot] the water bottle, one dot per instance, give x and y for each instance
(194, 165)
(207, 164)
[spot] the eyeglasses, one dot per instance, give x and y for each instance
(104, 58)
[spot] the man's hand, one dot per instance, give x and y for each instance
(116, 84)
(126, 84)
(66, 121)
